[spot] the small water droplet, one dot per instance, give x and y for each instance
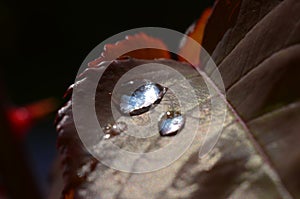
(119, 127)
(115, 129)
(142, 99)
(107, 128)
(106, 136)
(171, 123)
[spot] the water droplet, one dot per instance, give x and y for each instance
(119, 127)
(142, 99)
(106, 136)
(171, 123)
(113, 130)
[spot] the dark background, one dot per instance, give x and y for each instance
(42, 44)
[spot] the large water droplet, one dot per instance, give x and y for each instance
(142, 99)
(171, 123)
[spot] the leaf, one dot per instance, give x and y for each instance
(261, 80)
(217, 25)
(195, 31)
(155, 49)
(234, 19)
(256, 155)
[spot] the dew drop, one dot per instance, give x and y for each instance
(142, 99)
(106, 136)
(171, 123)
(113, 130)
(119, 127)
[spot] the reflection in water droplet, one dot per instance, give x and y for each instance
(113, 130)
(142, 99)
(171, 123)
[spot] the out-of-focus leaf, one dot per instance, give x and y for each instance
(195, 31)
(257, 154)
(147, 48)
(217, 25)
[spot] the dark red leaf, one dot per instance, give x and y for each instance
(256, 47)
